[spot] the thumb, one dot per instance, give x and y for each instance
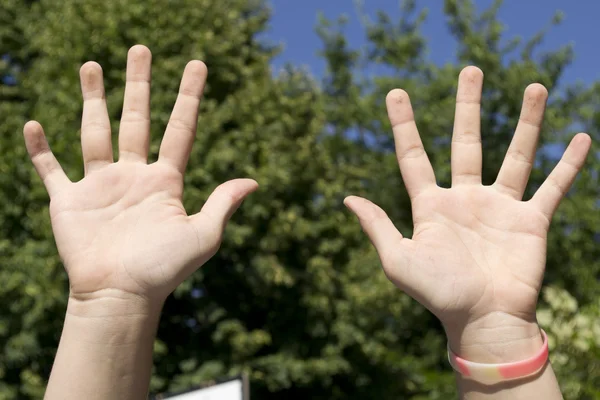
(221, 205)
(381, 231)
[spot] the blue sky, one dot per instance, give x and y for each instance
(294, 21)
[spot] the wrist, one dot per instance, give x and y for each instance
(496, 338)
(111, 303)
(105, 349)
(114, 317)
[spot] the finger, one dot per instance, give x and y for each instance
(398, 255)
(48, 169)
(466, 159)
(181, 130)
(95, 126)
(395, 252)
(415, 167)
(377, 225)
(134, 131)
(210, 222)
(516, 167)
(555, 187)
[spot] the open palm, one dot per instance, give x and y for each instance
(123, 227)
(476, 250)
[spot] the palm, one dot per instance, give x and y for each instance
(125, 215)
(476, 250)
(488, 246)
(123, 227)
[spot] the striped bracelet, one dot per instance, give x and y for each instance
(494, 373)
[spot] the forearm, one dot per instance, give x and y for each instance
(490, 342)
(540, 386)
(105, 350)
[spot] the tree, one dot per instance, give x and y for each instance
(295, 296)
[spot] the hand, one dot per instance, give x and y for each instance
(477, 255)
(123, 227)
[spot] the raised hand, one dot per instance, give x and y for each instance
(123, 227)
(477, 255)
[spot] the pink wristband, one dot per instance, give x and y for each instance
(495, 373)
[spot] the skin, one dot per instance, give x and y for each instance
(127, 242)
(477, 256)
(122, 232)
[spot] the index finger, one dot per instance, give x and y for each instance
(177, 143)
(415, 167)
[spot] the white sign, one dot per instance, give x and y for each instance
(230, 390)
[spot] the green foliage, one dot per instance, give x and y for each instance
(574, 339)
(295, 297)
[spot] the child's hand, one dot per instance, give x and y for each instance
(123, 227)
(477, 255)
